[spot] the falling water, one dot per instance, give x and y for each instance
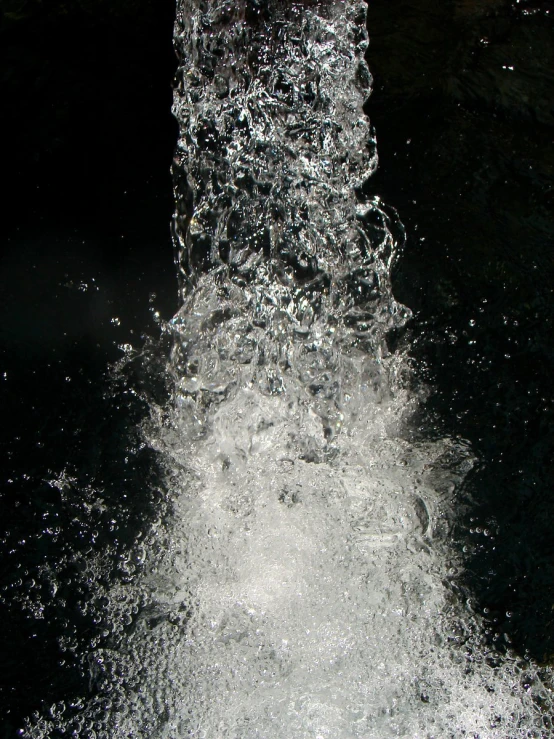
(304, 582)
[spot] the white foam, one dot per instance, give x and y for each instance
(320, 590)
(305, 584)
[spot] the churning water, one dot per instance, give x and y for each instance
(303, 583)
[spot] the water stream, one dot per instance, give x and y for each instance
(302, 580)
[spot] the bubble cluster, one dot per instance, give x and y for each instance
(304, 582)
(301, 596)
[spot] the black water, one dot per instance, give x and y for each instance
(464, 100)
(465, 145)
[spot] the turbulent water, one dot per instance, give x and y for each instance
(304, 583)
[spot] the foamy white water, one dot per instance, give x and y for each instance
(304, 584)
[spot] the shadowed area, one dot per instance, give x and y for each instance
(474, 182)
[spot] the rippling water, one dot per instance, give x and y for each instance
(295, 573)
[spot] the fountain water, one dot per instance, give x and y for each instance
(304, 584)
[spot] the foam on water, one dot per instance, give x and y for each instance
(305, 583)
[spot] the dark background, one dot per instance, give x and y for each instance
(87, 141)
(464, 101)
(465, 144)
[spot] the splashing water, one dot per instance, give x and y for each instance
(304, 584)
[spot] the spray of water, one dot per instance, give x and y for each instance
(304, 584)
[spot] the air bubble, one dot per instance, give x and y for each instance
(315, 598)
